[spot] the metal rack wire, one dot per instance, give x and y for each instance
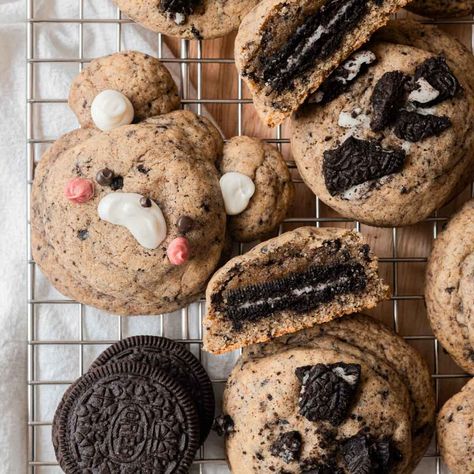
(189, 322)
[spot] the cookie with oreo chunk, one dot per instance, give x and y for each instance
(317, 409)
(398, 142)
(294, 281)
(189, 19)
(456, 430)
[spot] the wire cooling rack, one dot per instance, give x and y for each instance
(402, 259)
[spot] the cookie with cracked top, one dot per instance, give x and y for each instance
(399, 142)
(293, 281)
(274, 190)
(272, 400)
(126, 416)
(174, 359)
(143, 79)
(455, 430)
(449, 290)
(189, 19)
(285, 49)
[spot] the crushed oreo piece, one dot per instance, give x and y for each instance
(316, 39)
(223, 425)
(183, 7)
(83, 234)
(387, 98)
(414, 127)
(315, 466)
(357, 161)
(438, 74)
(363, 455)
(327, 391)
(287, 446)
(299, 292)
(342, 78)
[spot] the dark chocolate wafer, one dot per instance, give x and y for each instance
(174, 359)
(127, 417)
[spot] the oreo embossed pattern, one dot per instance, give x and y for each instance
(145, 405)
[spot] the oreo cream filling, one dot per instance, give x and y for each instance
(298, 291)
(319, 36)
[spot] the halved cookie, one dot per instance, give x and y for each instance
(299, 279)
(286, 48)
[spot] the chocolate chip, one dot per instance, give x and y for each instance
(145, 202)
(414, 127)
(117, 183)
(387, 98)
(287, 446)
(83, 234)
(104, 177)
(223, 425)
(143, 169)
(437, 73)
(357, 161)
(327, 391)
(185, 224)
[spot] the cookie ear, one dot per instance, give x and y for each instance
(136, 86)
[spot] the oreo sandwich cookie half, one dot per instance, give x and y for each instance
(127, 417)
(174, 359)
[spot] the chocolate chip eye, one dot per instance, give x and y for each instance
(105, 177)
(185, 224)
(117, 183)
(145, 202)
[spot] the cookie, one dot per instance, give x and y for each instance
(301, 278)
(379, 143)
(174, 359)
(359, 334)
(131, 221)
(140, 77)
(127, 416)
(274, 189)
(189, 19)
(449, 291)
(315, 409)
(456, 431)
(286, 48)
(442, 8)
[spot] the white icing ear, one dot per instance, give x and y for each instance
(111, 109)
(146, 224)
(237, 190)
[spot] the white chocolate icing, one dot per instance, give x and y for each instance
(111, 109)
(146, 224)
(424, 93)
(237, 190)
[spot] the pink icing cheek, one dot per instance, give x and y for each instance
(178, 251)
(79, 190)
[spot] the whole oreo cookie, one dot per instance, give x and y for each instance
(174, 359)
(126, 417)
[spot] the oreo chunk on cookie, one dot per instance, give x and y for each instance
(174, 359)
(179, 10)
(293, 281)
(414, 127)
(287, 446)
(126, 417)
(358, 161)
(364, 454)
(343, 77)
(434, 73)
(327, 391)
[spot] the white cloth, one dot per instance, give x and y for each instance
(58, 321)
